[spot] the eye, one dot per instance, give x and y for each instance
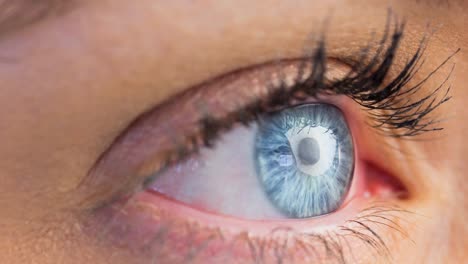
(294, 163)
(288, 147)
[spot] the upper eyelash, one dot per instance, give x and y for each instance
(406, 118)
(388, 107)
(393, 114)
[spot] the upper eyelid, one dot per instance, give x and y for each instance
(159, 135)
(164, 126)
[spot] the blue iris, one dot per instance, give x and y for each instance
(305, 159)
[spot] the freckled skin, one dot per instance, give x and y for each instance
(71, 84)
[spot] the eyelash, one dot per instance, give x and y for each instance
(362, 85)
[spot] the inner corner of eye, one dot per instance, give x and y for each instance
(295, 163)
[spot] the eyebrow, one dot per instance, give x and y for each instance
(15, 14)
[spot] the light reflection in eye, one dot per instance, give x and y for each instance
(294, 163)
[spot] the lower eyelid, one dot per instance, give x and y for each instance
(363, 229)
(255, 227)
(258, 228)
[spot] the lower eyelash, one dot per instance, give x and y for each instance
(336, 244)
(282, 245)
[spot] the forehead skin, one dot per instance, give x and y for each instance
(71, 83)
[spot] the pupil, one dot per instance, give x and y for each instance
(308, 151)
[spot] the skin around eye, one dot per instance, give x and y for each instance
(73, 81)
